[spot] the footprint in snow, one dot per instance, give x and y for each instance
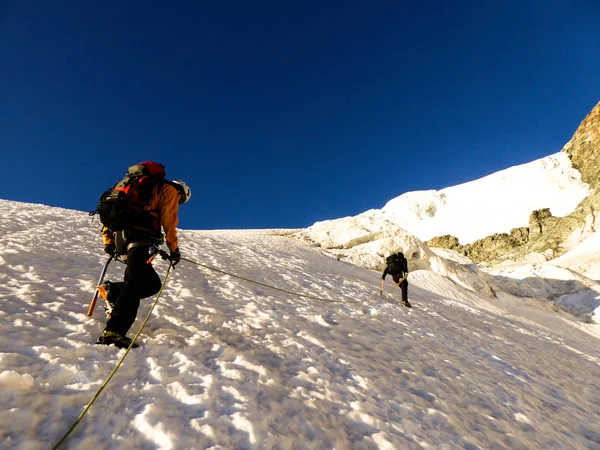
(330, 319)
(369, 310)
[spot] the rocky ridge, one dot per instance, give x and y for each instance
(546, 234)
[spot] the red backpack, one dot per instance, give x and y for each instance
(122, 206)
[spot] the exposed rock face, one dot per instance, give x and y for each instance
(584, 148)
(536, 221)
(492, 247)
(520, 235)
(445, 241)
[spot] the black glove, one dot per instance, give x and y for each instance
(175, 257)
(111, 250)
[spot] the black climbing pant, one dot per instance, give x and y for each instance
(403, 286)
(140, 281)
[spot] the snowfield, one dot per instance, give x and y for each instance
(227, 364)
(492, 204)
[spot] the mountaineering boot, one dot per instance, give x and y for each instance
(407, 304)
(110, 337)
(104, 292)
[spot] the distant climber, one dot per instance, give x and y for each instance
(133, 213)
(397, 267)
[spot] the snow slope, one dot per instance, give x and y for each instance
(492, 204)
(225, 364)
(366, 240)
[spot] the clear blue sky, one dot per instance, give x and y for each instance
(279, 114)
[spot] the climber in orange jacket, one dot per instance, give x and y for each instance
(157, 210)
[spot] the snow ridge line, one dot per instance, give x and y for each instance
(89, 405)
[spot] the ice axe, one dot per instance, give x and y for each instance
(95, 297)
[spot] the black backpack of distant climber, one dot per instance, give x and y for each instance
(397, 264)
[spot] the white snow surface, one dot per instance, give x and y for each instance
(492, 204)
(226, 364)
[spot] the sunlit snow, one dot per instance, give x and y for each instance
(226, 364)
(492, 204)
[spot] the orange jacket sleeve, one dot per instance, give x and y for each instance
(168, 206)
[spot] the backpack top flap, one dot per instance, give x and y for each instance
(139, 182)
(147, 168)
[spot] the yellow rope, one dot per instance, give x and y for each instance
(327, 300)
(68, 433)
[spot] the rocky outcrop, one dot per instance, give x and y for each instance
(490, 248)
(520, 235)
(546, 234)
(584, 148)
(536, 221)
(446, 241)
